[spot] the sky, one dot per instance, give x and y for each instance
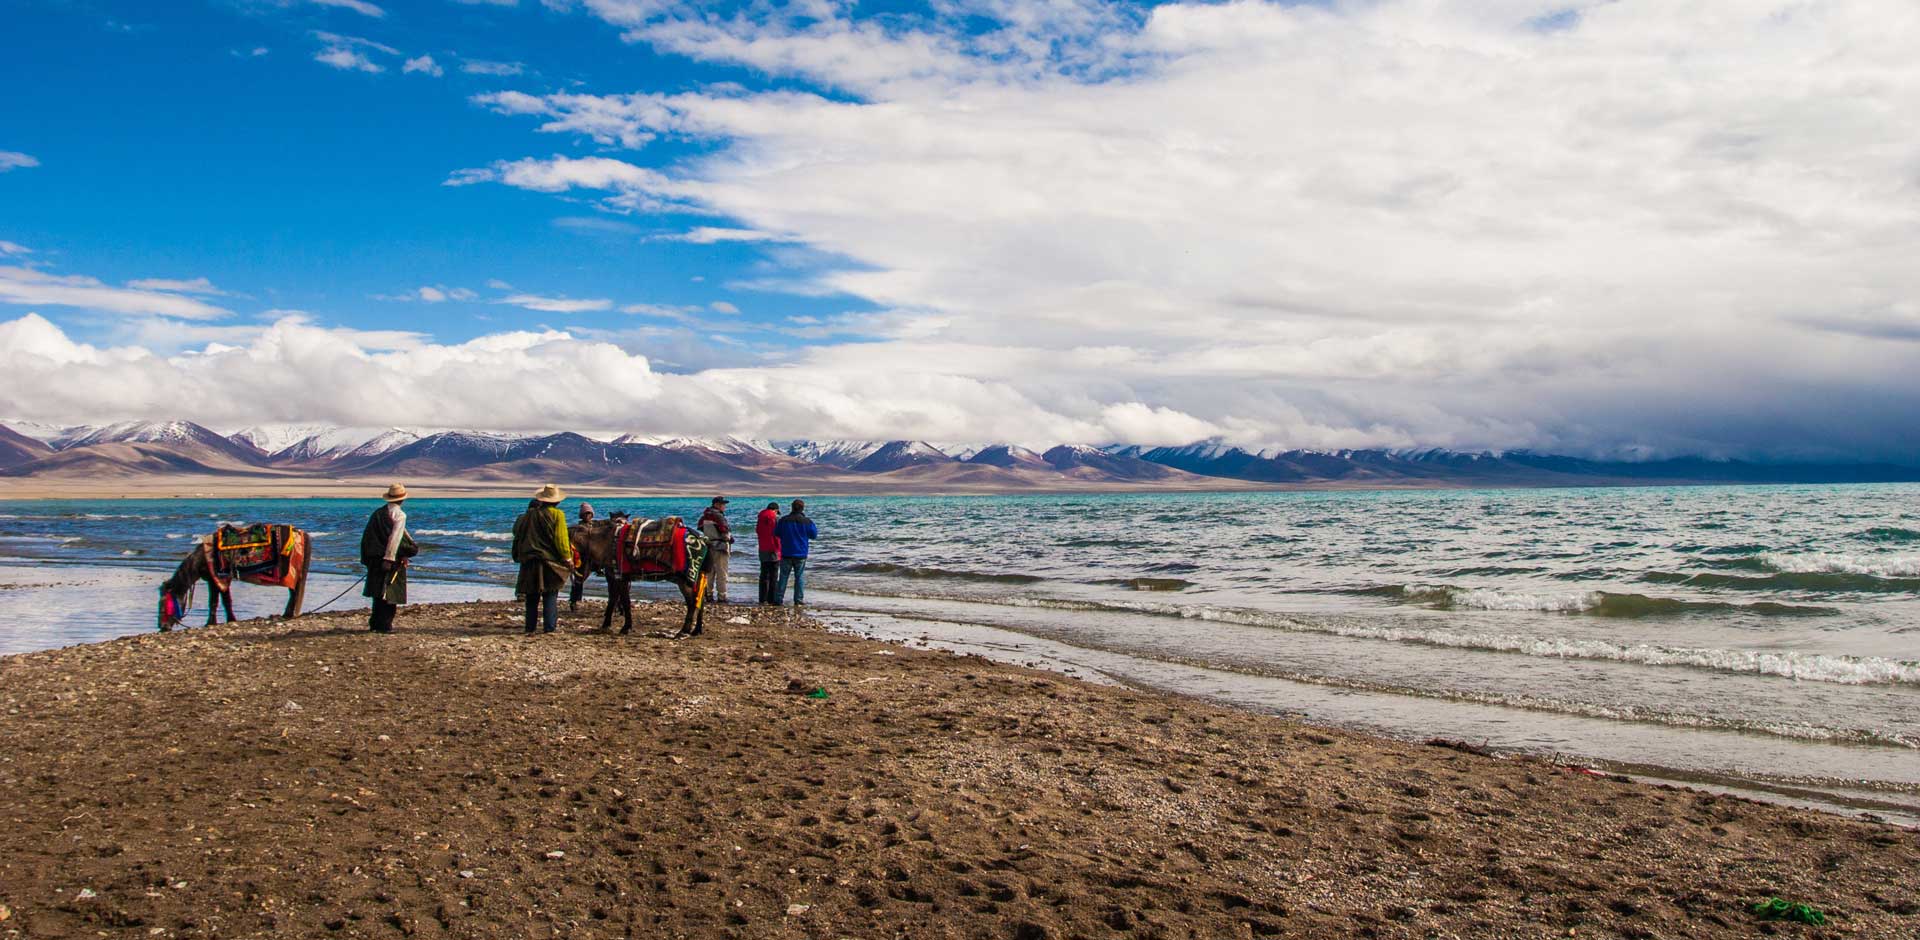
(1613, 228)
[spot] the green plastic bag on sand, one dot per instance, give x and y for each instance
(817, 693)
(1782, 909)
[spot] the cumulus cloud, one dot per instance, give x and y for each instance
(424, 65)
(32, 287)
(15, 160)
(524, 380)
(1606, 227)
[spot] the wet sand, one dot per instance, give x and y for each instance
(458, 779)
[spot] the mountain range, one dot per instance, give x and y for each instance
(150, 448)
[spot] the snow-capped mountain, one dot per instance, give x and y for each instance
(895, 455)
(719, 445)
(345, 444)
(842, 454)
(154, 432)
(55, 436)
(274, 438)
(1010, 456)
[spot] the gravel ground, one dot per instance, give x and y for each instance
(457, 779)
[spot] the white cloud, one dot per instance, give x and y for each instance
(14, 160)
(709, 235)
(484, 67)
(358, 6)
(494, 3)
(423, 64)
(198, 285)
(13, 248)
(1429, 222)
(505, 381)
(341, 57)
(562, 173)
(30, 287)
(721, 306)
(555, 304)
(432, 295)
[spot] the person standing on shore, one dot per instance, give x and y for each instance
(385, 547)
(545, 556)
(769, 547)
(580, 577)
(796, 533)
(713, 525)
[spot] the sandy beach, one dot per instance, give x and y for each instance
(457, 779)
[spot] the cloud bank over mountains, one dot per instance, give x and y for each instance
(1605, 228)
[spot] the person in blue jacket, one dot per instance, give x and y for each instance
(795, 531)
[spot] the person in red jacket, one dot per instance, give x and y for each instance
(769, 552)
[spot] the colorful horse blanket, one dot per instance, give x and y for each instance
(658, 549)
(256, 554)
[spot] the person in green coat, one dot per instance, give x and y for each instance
(545, 556)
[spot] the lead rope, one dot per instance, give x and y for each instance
(355, 584)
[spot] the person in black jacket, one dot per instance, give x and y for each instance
(385, 547)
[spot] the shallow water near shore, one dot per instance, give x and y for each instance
(1761, 634)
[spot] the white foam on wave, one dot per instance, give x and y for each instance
(1789, 664)
(1488, 599)
(468, 534)
(1874, 566)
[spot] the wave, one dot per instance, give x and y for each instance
(1594, 603)
(1889, 534)
(1788, 664)
(1814, 582)
(468, 534)
(1150, 584)
(911, 571)
(1889, 566)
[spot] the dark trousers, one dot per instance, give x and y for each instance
(549, 600)
(381, 621)
(769, 574)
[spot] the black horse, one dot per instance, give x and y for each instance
(597, 543)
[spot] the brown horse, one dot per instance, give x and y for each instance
(597, 544)
(176, 593)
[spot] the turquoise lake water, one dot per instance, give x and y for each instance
(1766, 639)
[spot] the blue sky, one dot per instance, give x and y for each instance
(203, 139)
(1603, 227)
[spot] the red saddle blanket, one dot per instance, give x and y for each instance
(652, 547)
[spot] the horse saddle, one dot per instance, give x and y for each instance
(261, 553)
(657, 548)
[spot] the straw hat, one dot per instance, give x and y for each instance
(549, 494)
(395, 493)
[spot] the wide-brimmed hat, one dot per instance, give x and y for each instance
(549, 494)
(395, 493)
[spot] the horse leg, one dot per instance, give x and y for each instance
(626, 604)
(226, 600)
(297, 598)
(213, 602)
